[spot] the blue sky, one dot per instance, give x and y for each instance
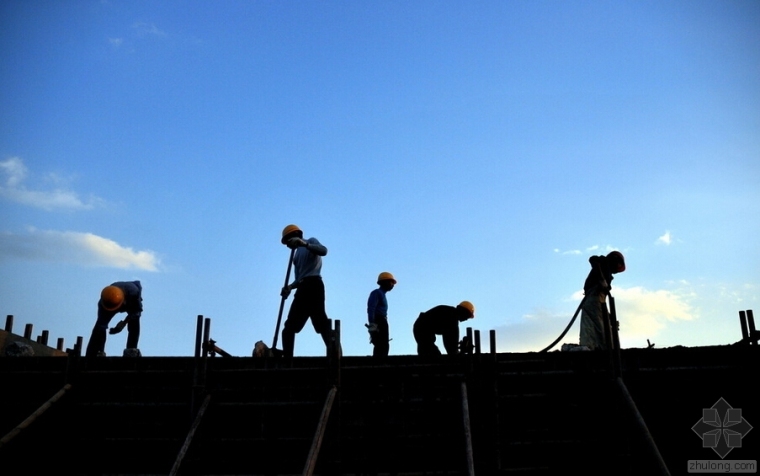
(479, 151)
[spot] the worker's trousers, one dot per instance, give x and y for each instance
(381, 338)
(593, 314)
(309, 301)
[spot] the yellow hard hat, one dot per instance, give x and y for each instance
(111, 298)
(468, 305)
(288, 230)
(385, 275)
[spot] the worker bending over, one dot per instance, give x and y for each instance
(444, 321)
(122, 296)
(596, 288)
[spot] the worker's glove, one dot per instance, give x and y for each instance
(285, 292)
(296, 242)
(373, 330)
(465, 346)
(118, 328)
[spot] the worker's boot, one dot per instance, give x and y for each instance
(288, 343)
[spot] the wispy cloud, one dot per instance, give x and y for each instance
(643, 314)
(144, 29)
(116, 42)
(665, 239)
(568, 252)
(84, 249)
(14, 189)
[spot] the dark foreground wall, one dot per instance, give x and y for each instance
(555, 413)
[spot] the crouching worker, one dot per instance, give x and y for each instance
(596, 288)
(443, 321)
(122, 296)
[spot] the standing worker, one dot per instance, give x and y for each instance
(443, 321)
(309, 300)
(377, 315)
(122, 296)
(596, 288)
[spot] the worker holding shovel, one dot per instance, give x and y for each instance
(309, 299)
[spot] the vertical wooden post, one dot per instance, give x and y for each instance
(751, 324)
(78, 345)
(467, 431)
(743, 322)
(492, 336)
(45, 337)
(477, 342)
(59, 345)
(9, 323)
(198, 335)
(206, 337)
(28, 331)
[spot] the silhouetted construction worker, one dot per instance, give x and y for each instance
(122, 296)
(377, 315)
(443, 321)
(309, 300)
(596, 288)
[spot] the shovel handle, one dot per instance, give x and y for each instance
(282, 301)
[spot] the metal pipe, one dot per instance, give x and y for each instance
(59, 344)
(467, 431)
(311, 460)
(492, 338)
(477, 342)
(9, 323)
(45, 337)
(28, 331)
(31, 419)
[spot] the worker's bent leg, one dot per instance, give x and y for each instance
(133, 327)
(97, 341)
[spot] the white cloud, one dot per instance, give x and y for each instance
(116, 41)
(665, 239)
(568, 252)
(85, 249)
(14, 189)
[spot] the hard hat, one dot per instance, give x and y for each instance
(111, 298)
(468, 305)
(385, 275)
(288, 230)
(618, 259)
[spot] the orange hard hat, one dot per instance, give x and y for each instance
(469, 306)
(289, 230)
(386, 276)
(111, 298)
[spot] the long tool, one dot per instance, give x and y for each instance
(568, 326)
(282, 301)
